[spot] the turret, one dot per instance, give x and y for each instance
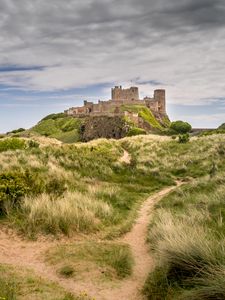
(160, 97)
(120, 94)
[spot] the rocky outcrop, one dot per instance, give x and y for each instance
(103, 127)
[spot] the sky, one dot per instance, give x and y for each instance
(54, 54)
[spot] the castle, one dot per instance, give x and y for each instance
(120, 98)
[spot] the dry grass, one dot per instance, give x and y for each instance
(187, 237)
(68, 213)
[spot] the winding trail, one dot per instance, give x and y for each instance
(17, 252)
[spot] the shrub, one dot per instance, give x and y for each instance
(136, 131)
(181, 127)
(13, 185)
(183, 138)
(12, 144)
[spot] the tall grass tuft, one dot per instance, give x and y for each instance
(188, 244)
(72, 211)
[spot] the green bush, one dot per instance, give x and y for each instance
(136, 131)
(181, 127)
(183, 138)
(13, 185)
(12, 144)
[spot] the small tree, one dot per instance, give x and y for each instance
(181, 127)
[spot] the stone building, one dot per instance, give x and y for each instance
(120, 98)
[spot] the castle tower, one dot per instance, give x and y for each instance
(160, 97)
(120, 94)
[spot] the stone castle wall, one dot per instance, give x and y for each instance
(121, 97)
(119, 94)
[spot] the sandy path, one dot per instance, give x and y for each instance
(130, 289)
(17, 252)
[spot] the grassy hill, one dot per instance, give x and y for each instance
(64, 190)
(68, 129)
(59, 126)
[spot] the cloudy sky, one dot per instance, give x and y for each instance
(54, 54)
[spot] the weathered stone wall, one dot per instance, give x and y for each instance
(125, 94)
(103, 127)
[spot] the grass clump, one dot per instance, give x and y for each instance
(111, 259)
(66, 271)
(187, 238)
(65, 214)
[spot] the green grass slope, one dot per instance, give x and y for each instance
(147, 116)
(59, 126)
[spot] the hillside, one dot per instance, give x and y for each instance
(68, 129)
(59, 126)
(75, 207)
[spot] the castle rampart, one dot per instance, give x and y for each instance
(121, 97)
(131, 94)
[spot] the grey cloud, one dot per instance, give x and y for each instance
(179, 43)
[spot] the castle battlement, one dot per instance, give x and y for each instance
(120, 97)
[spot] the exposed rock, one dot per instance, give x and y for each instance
(104, 127)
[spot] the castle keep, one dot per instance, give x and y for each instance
(120, 98)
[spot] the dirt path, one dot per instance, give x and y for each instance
(17, 252)
(136, 238)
